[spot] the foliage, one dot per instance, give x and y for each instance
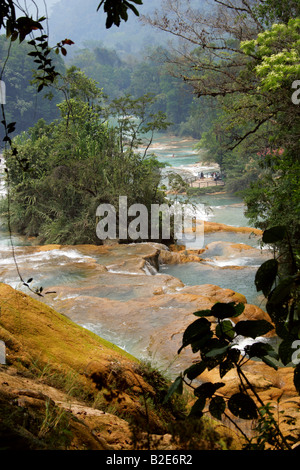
(274, 11)
(274, 198)
(218, 348)
(64, 170)
(278, 64)
(147, 75)
(23, 106)
(250, 68)
(25, 26)
(248, 65)
(117, 10)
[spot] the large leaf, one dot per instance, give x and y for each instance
(218, 351)
(217, 407)
(234, 355)
(239, 308)
(225, 329)
(253, 328)
(227, 310)
(223, 310)
(213, 361)
(274, 234)
(242, 406)
(266, 275)
(282, 292)
(201, 341)
(195, 370)
(203, 313)
(260, 350)
(285, 350)
(263, 351)
(197, 407)
(195, 332)
(207, 389)
(225, 367)
(269, 362)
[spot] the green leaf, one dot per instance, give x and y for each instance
(197, 408)
(217, 407)
(253, 328)
(269, 362)
(274, 234)
(282, 292)
(207, 389)
(265, 276)
(136, 12)
(211, 362)
(260, 350)
(195, 370)
(239, 308)
(201, 341)
(176, 387)
(242, 406)
(218, 351)
(225, 367)
(195, 332)
(234, 355)
(285, 350)
(203, 313)
(225, 329)
(226, 310)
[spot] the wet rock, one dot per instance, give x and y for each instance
(216, 227)
(215, 293)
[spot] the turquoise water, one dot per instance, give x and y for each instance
(241, 280)
(177, 152)
(221, 208)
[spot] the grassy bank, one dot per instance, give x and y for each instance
(64, 387)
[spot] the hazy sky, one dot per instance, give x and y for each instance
(39, 3)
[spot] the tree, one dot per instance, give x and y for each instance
(276, 66)
(249, 67)
(64, 170)
(23, 105)
(24, 26)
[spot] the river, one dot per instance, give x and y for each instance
(112, 291)
(221, 208)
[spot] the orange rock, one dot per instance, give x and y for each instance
(216, 227)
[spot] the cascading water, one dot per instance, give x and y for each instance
(117, 293)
